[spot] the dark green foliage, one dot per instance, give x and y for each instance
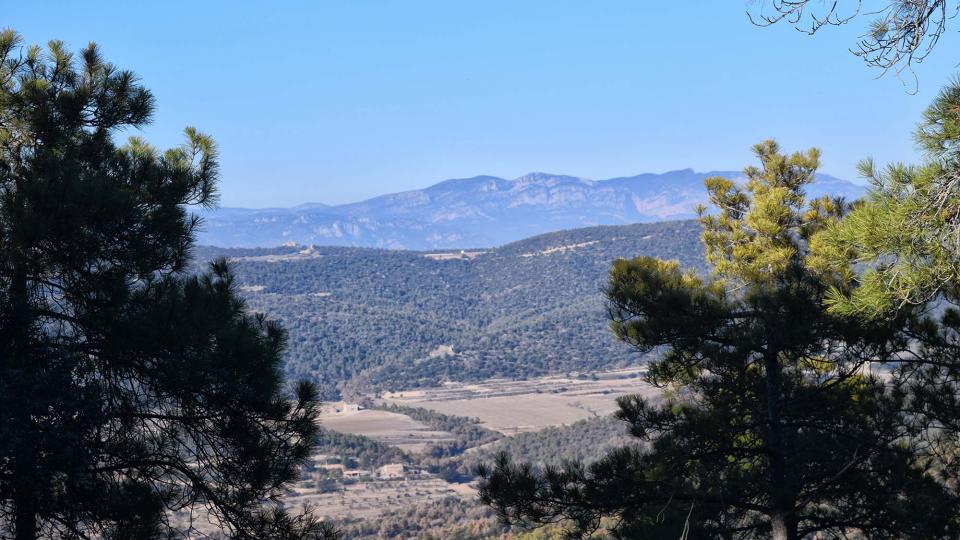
(773, 423)
(128, 389)
(931, 381)
(199, 254)
(367, 452)
(450, 518)
(512, 312)
(904, 237)
(583, 441)
(468, 431)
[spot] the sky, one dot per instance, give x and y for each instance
(338, 101)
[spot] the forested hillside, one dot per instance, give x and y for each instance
(584, 441)
(363, 318)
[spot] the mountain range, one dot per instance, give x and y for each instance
(482, 211)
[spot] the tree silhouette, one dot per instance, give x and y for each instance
(131, 393)
(777, 419)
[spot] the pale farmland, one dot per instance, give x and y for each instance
(368, 500)
(390, 428)
(516, 406)
(508, 406)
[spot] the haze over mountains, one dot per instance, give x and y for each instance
(481, 211)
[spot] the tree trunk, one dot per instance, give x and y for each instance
(783, 527)
(25, 523)
(783, 524)
(25, 454)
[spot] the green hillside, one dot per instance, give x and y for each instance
(366, 319)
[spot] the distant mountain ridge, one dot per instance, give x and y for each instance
(481, 211)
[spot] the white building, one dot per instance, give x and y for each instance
(341, 407)
(356, 473)
(393, 470)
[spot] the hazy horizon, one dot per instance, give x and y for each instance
(856, 181)
(336, 103)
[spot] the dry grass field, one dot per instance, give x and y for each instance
(515, 406)
(390, 428)
(368, 500)
(508, 406)
(359, 501)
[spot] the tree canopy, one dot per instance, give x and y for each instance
(526, 309)
(905, 237)
(778, 418)
(131, 393)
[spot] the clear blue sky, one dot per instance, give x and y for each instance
(338, 101)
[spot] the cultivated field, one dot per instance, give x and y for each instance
(509, 406)
(368, 500)
(515, 406)
(390, 428)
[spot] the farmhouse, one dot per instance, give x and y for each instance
(393, 470)
(343, 407)
(398, 470)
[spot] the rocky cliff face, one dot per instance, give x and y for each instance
(480, 211)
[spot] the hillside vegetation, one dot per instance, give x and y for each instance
(369, 319)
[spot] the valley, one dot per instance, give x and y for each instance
(558, 416)
(432, 362)
(386, 427)
(518, 406)
(363, 320)
(239, 301)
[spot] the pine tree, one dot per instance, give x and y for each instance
(906, 234)
(129, 389)
(773, 422)
(900, 250)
